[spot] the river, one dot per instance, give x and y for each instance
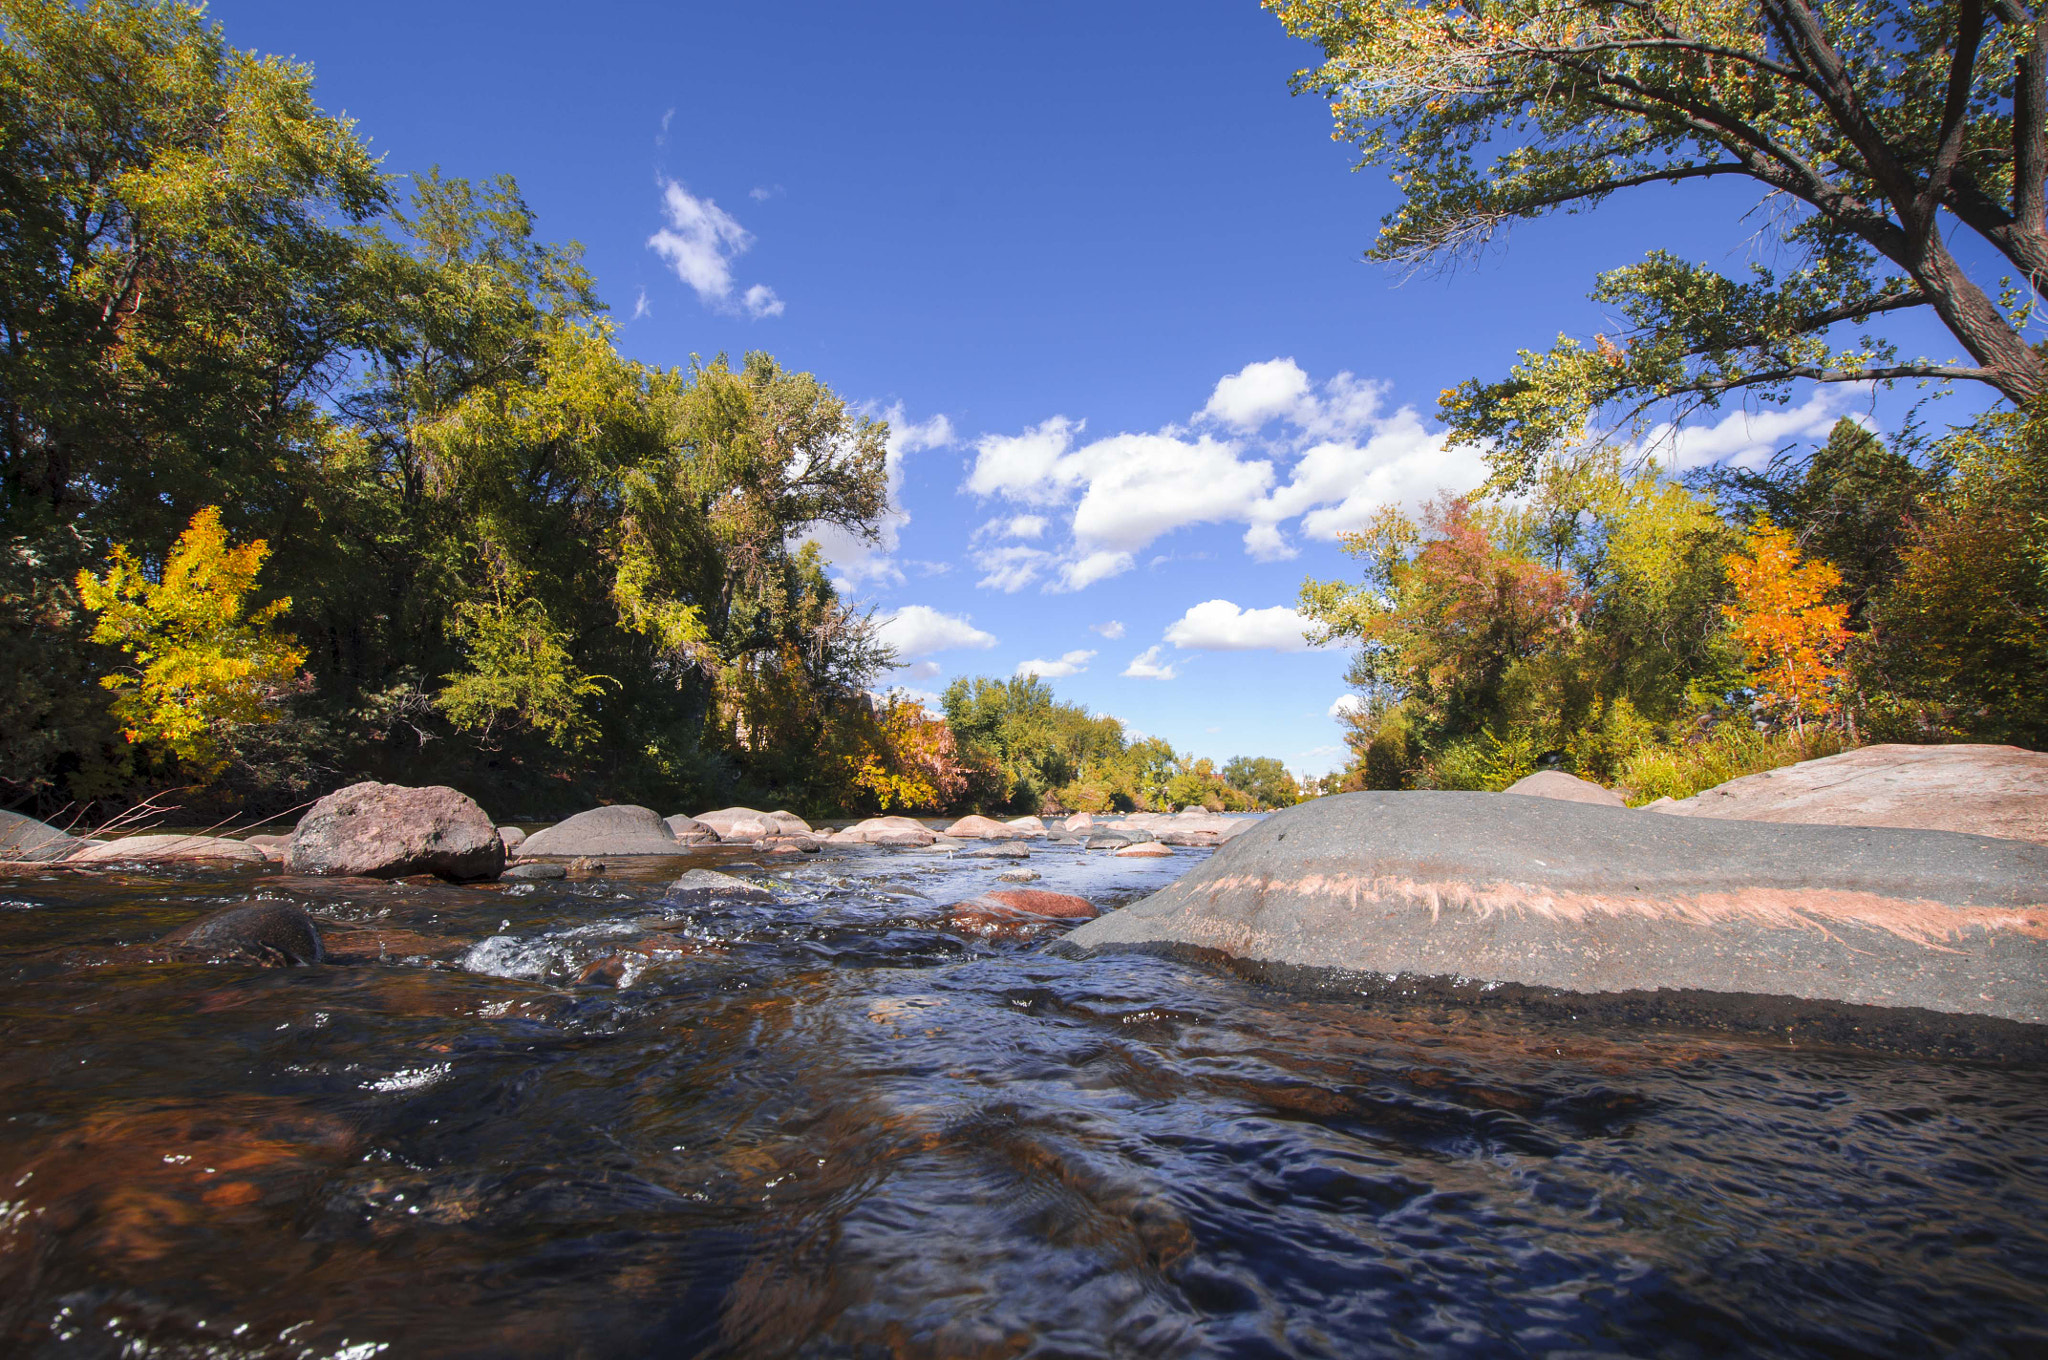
(835, 1125)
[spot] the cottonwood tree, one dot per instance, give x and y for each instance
(1877, 131)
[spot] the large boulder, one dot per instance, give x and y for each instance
(276, 933)
(975, 827)
(748, 824)
(168, 849)
(690, 831)
(1027, 826)
(1571, 788)
(888, 831)
(621, 829)
(387, 831)
(1983, 790)
(1586, 899)
(789, 824)
(25, 838)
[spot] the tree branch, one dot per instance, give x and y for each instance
(1955, 108)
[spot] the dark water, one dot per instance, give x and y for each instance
(835, 1126)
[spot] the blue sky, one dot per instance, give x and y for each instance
(1099, 267)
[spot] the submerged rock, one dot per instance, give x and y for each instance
(167, 849)
(708, 885)
(621, 829)
(1015, 911)
(25, 838)
(1570, 788)
(535, 873)
(276, 933)
(386, 831)
(1589, 899)
(998, 851)
(1982, 790)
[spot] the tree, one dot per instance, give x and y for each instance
(1873, 129)
(204, 662)
(1264, 779)
(1783, 618)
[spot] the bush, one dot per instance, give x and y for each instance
(1730, 751)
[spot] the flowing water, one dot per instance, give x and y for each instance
(834, 1125)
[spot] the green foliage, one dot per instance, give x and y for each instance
(1883, 126)
(1727, 752)
(1264, 779)
(519, 673)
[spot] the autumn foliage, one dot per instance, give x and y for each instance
(1784, 616)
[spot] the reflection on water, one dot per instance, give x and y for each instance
(573, 1119)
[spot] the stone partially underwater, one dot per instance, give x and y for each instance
(1475, 892)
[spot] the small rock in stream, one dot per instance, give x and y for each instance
(707, 885)
(533, 872)
(1018, 876)
(275, 933)
(997, 850)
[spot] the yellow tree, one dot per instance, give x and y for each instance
(203, 663)
(1785, 623)
(909, 760)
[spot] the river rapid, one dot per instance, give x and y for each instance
(578, 1119)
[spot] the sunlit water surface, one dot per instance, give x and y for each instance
(835, 1126)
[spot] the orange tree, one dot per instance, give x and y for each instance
(1783, 619)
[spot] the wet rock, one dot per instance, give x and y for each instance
(535, 873)
(690, 831)
(387, 831)
(512, 838)
(1016, 911)
(996, 852)
(1175, 837)
(979, 828)
(708, 885)
(275, 848)
(1109, 840)
(605, 972)
(1570, 788)
(1144, 850)
(385, 944)
(1059, 906)
(25, 838)
(167, 849)
(275, 933)
(621, 829)
(1982, 790)
(1588, 899)
(792, 845)
(1018, 876)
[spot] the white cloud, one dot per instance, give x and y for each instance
(918, 630)
(1748, 439)
(1333, 459)
(1012, 567)
(1256, 393)
(1072, 663)
(1146, 665)
(1220, 626)
(700, 243)
(1112, 630)
(933, 704)
(1345, 705)
(924, 670)
(640, 307)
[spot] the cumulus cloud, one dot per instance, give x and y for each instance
(918, 630)
(700, 243)
(1146, 665)
(1749, 438)
(1270, 448)
(1346, 705)
(1220, 626)
(1072, 663)
(1112, 630)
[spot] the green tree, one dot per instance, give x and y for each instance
(1881, 126)
(1264, 779)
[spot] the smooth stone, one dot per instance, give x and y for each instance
(535, 873)
(1471, 888)
(1570, 788)
(276, 849)
(1080, 821)
(618, 830)
(1027, 826)
(168, 849)
(270, 932)
(372, 830)
(708, 885)
(1171, 837)
(690, 831)
(512, 837)
(25, 838)
(996, 852)
(1112, 840)
(1015, 911)
(900, 831)
(1143, 850)
(978, 828)
(1982, 790)
(1018, 876)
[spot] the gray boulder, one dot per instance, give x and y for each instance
(25, 838)
(535, 873)
(690, 831)
(999, 850)
(270, 932)
(621, 829)
(388, 831)
(1983, 790)
(900, 832)
(1594, 900)
(749, 824)
(1570, 788)
(707, 885)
